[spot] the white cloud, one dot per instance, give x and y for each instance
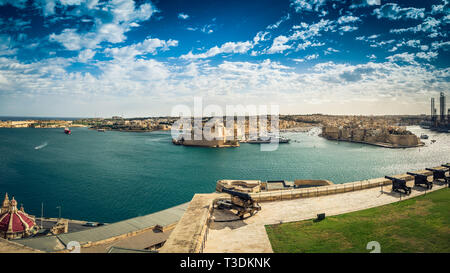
(279, 45)
(183, 16)
(394, 12)
(347, 19)
(307, 5)
(438, 45)
(442, 8)
(312, 57)
(330, 50)
(86, 55)
(278, 23)
(123, 15)
(260, 37)
(229, 47)
(364, 3)
(348, 28)
(148, 46)
(7, 45)
(141, 83)
(412, 57)
(430, 24)
(427, 55)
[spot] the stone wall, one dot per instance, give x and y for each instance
(333, 189)
(403, 140)
(330, 132)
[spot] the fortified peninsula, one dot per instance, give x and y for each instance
(389, 137)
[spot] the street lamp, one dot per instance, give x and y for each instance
(59, 207)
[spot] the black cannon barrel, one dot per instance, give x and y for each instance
(241, 195)
(394, 179)
(446, 165)
(417, 174)
(436, 170)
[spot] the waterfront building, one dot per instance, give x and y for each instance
(15, 223)
(219, 135)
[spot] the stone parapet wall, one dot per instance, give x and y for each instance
(332, 189)
(190, 233)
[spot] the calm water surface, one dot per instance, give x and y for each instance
(112, 176)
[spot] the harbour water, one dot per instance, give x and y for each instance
(111, 176)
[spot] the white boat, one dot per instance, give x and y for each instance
(269, 140)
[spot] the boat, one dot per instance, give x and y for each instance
(269, 140)
(283, 140)
(101, 130)
(258, 140)
(67, 131)
(424, 136)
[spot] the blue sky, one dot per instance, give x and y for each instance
(141, 58)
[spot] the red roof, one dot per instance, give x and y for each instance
(20, 222)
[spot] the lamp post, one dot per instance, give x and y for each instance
(42, 213)
(59, 207)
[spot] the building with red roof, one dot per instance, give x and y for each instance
(15, 223)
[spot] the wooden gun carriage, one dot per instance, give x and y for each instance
(243, 203)
(399, 185)
(421, 180)
(439, 174)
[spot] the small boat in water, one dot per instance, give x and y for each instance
(101, 130)
(269, 140)
(258, 140)
(67, 131)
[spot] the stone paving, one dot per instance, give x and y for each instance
(249, 235)
(12, 247)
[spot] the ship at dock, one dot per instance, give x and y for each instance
(268, 140)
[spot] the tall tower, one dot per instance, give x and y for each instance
(432, 108)
(442, 101)
(448, 116)
(5, 204)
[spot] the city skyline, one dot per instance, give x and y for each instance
(75, 58)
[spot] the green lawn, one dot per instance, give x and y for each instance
(420, 224)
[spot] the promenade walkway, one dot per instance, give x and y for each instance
(249, 235)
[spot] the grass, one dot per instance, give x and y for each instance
(420, 224)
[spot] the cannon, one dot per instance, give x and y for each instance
(439, 174)
(242, 202)
(421, 179)
(399, 184)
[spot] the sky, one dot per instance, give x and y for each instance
(97, 58)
